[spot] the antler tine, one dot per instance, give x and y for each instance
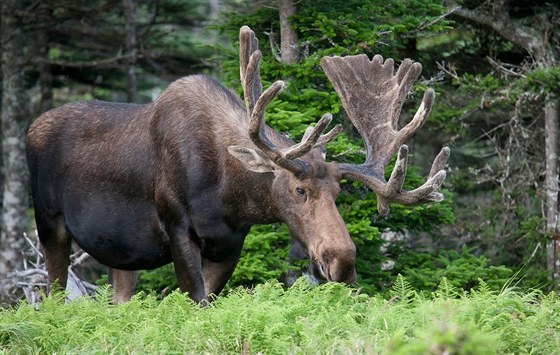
(428, 192)
(313, 138)
(287, 157)
(249, 58)
(439, 162)
(373, 96)
(257, 101)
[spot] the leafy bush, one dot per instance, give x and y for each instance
(331, 318)
(270, 242)
(463, 269)
(161, 281)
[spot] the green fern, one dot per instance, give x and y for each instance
(402, 290)
(446, 290)
(330, 318)
(483, 288)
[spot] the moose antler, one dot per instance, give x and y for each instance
(256, 102)
(373, 96)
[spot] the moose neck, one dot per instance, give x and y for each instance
(253, 202)
(251, 193)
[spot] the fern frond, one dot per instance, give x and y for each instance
(446, 290)
(483, 288)
(402, 290)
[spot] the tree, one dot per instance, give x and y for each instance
(44, 16)
(288, 36)
(536, 32)
(15, 118)
(130, 31)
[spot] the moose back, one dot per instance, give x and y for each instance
(184, 178)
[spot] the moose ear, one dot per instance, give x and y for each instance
(251, 160)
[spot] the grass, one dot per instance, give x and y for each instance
(331, 318)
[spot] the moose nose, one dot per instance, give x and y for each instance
(339, 264)
(341, 270)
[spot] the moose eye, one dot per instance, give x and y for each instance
(300, 191)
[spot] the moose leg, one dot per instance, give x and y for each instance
(56, 245)
(184, 243)
(185, 251)
(124, 283)
(217, 274)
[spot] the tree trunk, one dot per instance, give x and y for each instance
(45, 75)
(1, 154)
(130, 29)
(552, 117)
(15, 115)
(288, 36)
(215, 8)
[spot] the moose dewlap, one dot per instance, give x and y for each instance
(184, 178)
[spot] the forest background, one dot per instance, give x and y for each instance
(493, 65)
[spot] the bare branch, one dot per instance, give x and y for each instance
(90, 63)
(449, 71)
(503, 69)
(425, 25)
(273, 45)
(497, 18)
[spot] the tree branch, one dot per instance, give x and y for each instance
(503, 69)
(88, 63)
(425, 25)
(526, 37)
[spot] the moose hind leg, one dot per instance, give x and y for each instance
(56, 245)
(124, 283)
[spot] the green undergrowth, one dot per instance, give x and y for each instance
(330, 318)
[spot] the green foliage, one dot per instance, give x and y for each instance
(540, 81)
(461, 270)
(264, 255)
(495, 112)
(445, 338)
(161, 280)
(331, 318)
(402, 290)
(351, 27)
(86, 39)
(490, 92)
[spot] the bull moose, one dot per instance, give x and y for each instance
(184, 178)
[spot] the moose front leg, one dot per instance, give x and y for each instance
(185, 252)
(222, 249)
(217, 274)
(184, 242)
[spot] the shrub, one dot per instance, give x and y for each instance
(330, 318)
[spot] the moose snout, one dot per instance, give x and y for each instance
(341, 270)
(338, 265)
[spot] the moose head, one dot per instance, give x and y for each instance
(305, 185)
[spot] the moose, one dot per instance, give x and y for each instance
(184, 178)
